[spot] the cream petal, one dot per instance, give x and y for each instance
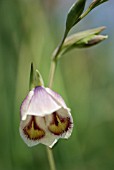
(26, 131)
(57, 98)
(25, 105)
(66, 113)
(60, 126)
(31, 137)
(49, 140)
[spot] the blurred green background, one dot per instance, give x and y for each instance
(29, 31)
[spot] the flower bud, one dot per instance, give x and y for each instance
(90, 41)
(83, 39)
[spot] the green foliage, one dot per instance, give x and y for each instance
(74, 14)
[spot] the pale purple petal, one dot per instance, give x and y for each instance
(25, 105)
(41, 103)
(57, 98)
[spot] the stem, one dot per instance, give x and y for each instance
(58, 50)
(92, 6)
(52, 72)
(49, 151)
(54, 60)
(51, 77)
(50, 158)
(83, 15)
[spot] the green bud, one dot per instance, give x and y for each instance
(90, 41)
(83, 39)
(35, 78)
(74, 14)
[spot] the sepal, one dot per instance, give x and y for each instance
(35, 78)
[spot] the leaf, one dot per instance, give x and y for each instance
(74, 14)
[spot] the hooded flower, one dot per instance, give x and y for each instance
(44, 117)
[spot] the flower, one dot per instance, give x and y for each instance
(44, 117)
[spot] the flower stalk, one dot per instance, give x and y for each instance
(51, 158)
(52, 72)
(51, 78)
(58, 49)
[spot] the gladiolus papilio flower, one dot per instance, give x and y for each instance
(44, 117)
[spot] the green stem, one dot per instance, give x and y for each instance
(51, 158)
(92, 6)
(49, 151)
(55, 59)
(51, 77)
(52, 72)
(58, 50)
(83, 15)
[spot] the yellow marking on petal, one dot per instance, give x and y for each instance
(32, 130)
(59, 125)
